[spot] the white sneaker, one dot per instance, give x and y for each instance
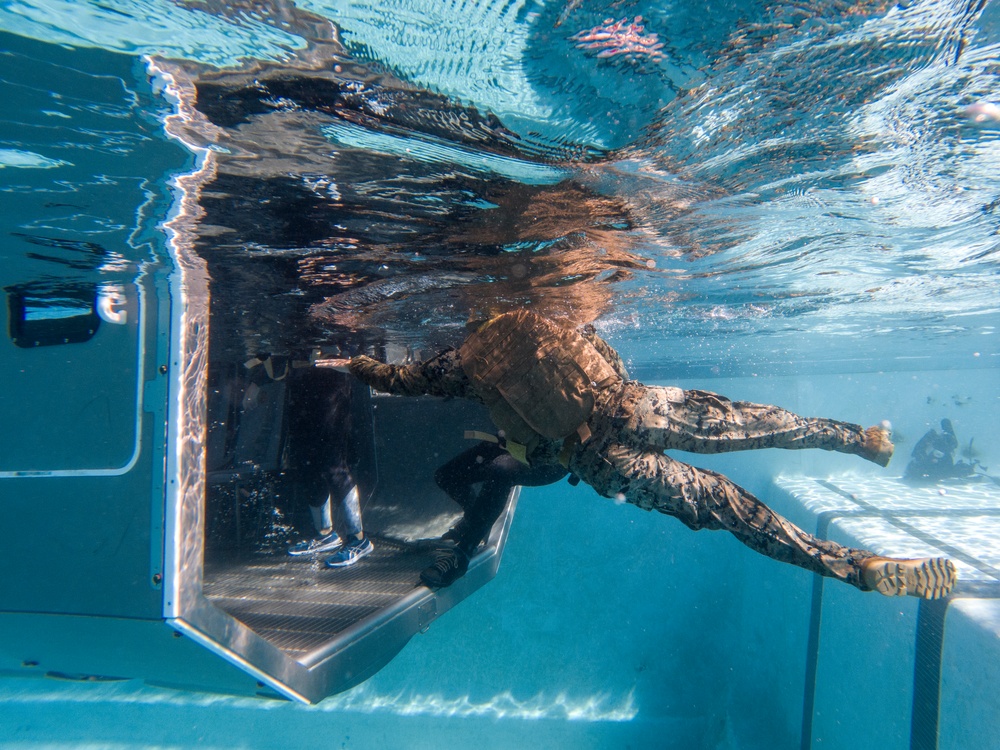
(350, 553)
(328, 543)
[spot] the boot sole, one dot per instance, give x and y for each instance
(931, 578)
(877, 451)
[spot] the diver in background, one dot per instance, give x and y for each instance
(559, 400)
(320, 456)
(933, 457)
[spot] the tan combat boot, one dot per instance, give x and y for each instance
(877, 446)
(926, 577)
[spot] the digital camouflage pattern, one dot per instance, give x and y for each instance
(624, 458)
(538, 379)
(633, 424)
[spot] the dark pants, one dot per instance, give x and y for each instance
(488, 465)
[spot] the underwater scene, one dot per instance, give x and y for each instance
(438, 374)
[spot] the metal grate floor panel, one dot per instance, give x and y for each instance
(298, 604)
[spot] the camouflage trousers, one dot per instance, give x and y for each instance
(634, 424)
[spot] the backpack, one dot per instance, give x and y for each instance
(534, 373)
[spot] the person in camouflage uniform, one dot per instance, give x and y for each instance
(562, 397)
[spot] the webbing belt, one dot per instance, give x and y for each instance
(520, 451)
(517, 450)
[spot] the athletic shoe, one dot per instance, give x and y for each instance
(350, 553)
(877, 446)
(928, 577)
(450, 565)
(327, 543)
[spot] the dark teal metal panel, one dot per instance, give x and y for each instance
(93, 648)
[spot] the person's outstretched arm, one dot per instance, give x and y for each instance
(439, 376)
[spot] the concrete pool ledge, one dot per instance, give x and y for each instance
(941, 658)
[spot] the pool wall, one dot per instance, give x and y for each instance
(611, 627)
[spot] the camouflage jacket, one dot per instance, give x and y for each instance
(443, 375)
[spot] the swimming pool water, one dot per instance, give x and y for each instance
(788, 204)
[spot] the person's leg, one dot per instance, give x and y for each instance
(458, 476)
(322, 512)
(705, 422)
(311, 486)
(480, 515)
(326, 538)
(347, 518)
(346, 501)
(318, 425)
(707, 500)
(498, 472)
(500, 476)
(458, 479)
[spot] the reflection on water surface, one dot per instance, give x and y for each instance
(683, 176)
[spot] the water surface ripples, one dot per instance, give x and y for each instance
(756, 186)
